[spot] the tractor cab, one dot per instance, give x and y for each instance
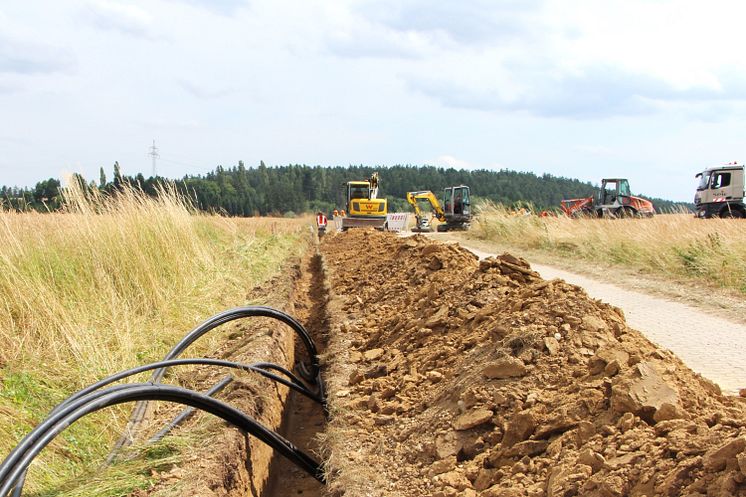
(616, 200)
(613, 192)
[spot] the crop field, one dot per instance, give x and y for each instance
(107, 285)
(709, 251)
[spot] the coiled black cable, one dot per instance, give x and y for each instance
(19, 459)
(260, 367)
(310, 372)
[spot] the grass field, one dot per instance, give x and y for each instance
(710, 251)
(107, 285)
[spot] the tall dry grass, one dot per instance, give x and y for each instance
(108, 284)
(712, 251)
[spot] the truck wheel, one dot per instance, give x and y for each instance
(731, 213)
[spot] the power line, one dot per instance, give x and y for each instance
(155, 155)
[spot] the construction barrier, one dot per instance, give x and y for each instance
(397, 221)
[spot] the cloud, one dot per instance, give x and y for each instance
(386, 45)
(24, 58)
(418, 29)
(8, 88)
(115, 16)
(451, 161)
(599, 91)
(201, 92)
(594, 150)
(467, 21)
(224, 7)
(171, 124)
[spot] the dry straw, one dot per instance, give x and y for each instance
(109, 283)
(712, 251)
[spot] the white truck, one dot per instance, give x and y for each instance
(720, 192)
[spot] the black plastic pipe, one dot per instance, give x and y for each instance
(17, 462)
(309, 372)
(188, 412)
(260, 367)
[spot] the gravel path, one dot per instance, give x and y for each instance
(711, 346)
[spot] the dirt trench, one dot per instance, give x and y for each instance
(451, 376)
(226, 462)
(304, 419)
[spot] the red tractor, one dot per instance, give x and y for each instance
(613, 201)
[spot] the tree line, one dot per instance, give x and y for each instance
(296, 188)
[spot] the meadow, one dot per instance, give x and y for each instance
(110, 283)
(712, 251)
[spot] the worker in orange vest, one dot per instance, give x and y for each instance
(321, 223)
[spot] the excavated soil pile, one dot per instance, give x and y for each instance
(450, 376)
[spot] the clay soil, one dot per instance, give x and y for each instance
(450, 376)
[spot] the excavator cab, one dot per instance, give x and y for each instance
(453, 213)
(364, 208)
(457, 201)
(456, 208)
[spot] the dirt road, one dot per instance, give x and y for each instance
(711, 346)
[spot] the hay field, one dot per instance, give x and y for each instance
(109, 284)
(711, 251)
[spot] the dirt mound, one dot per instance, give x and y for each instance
(452, 377)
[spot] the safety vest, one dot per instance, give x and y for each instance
(321, 220)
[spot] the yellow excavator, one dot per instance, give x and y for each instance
(364, 208)
(454, 213)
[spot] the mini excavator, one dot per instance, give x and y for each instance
(454, 213)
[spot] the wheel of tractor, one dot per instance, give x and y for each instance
(627, 212)
(442, 228)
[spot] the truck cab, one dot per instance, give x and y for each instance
(720, 192)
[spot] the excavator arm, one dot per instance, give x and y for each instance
(438, 212)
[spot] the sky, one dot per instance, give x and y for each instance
(651, 90)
